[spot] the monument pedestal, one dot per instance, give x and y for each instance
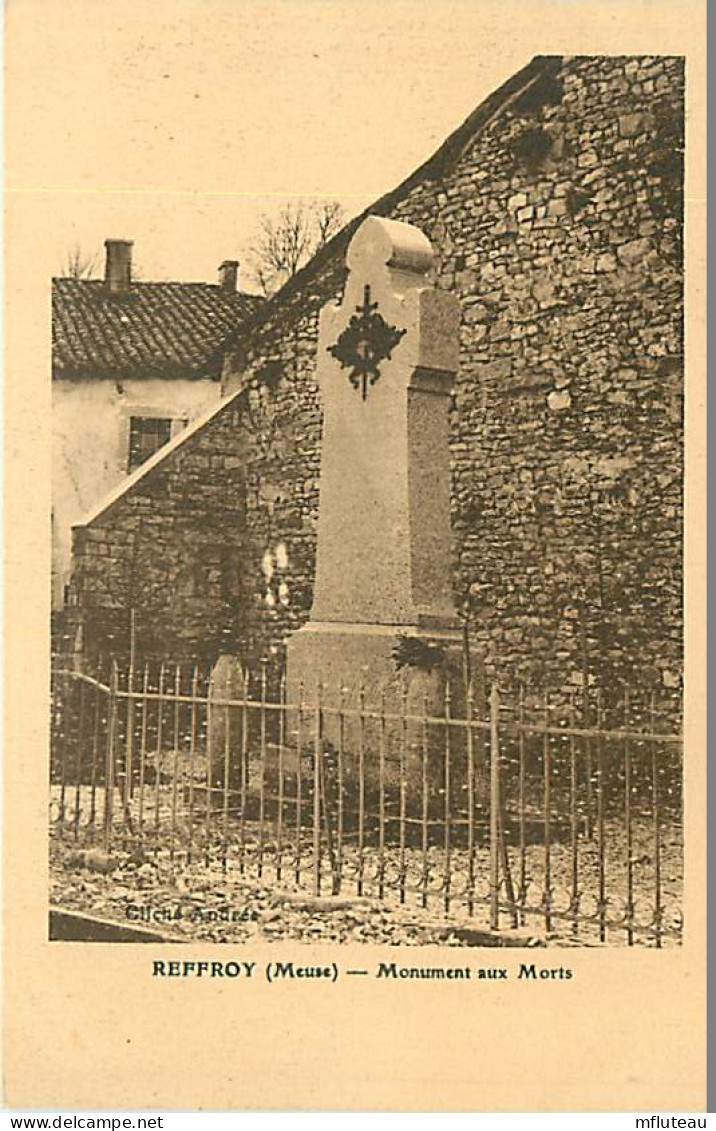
(384, 642)
(384, 692)
(351, 661)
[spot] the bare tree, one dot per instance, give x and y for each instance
(330, 218)
(284, 243)
(78, 264)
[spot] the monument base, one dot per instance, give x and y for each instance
(382, 659)
(406, 679)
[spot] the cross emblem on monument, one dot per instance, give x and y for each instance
(366, 341)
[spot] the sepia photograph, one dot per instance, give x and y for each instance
(367, 552)
(355, 596)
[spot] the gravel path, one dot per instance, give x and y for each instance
(199, 901)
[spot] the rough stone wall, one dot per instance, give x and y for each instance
(90, 442)
(558, 225)
(171, 549)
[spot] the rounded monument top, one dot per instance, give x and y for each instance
(379, 243)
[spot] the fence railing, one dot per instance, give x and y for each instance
(517, 812)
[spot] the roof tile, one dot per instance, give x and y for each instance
(153, 330)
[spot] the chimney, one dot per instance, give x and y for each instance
(229, 275)
(118, 265)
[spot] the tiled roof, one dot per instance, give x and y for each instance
(152, 330)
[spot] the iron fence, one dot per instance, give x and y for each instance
(561, 815)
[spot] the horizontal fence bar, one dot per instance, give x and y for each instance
(616, 733)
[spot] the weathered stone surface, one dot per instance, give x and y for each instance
(631, 124)
(634, 252)
(223, 722)
(387, 357)
(384, 539)
(606, 262)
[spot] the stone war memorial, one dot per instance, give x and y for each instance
(400, 618)
(383, 626)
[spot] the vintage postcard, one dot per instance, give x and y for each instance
(355, 590)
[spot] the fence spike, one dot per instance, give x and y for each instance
(494, 808)
(361, 785)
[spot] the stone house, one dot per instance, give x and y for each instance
(132, 364)
(556, 211)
